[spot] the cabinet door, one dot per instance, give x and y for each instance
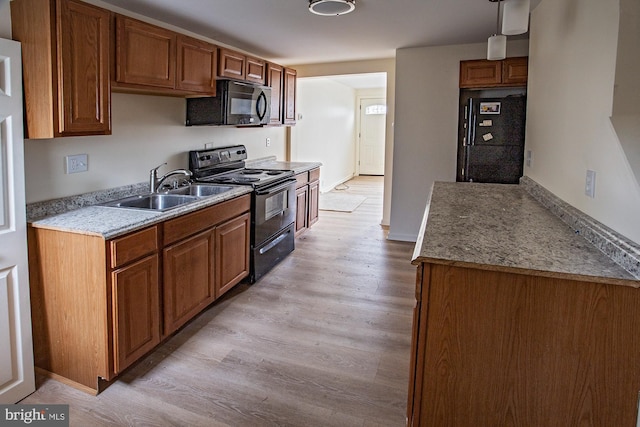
(83, 81)
(314, 197)
(145, 54)
(136, 308)
(289, 96)
(480, 73)
(515, 71)
(188, 279)
(275, 75)
(197, 65)
(302, 197)
(255, 70)
(231, 64)
(232, 253)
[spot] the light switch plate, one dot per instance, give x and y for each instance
(76, 163)
(529, 158)
(590, 184)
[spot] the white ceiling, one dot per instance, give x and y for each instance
(285, 32)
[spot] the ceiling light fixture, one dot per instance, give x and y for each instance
(331, 7)
(515, 17)
(497, 43)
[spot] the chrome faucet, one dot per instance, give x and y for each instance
(155, 182)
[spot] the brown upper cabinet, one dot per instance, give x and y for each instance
(236, 65)
(197, 65)
(145, 54)
(231, 64)
(282, 82)
(275, 80)
(74, 54)
(515, 71)
(256, 70)
(65, 58)
(482, 73)
(153, 58)
(289, 96)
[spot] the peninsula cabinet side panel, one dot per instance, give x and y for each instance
(510, 349)
(70, 305)
(418, 344)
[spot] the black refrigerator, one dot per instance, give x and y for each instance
(491, 139)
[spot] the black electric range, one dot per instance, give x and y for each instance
(273, 204)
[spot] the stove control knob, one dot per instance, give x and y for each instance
(205, 157)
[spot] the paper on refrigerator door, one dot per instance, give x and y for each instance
(487, 137)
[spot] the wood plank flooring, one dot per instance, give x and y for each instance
(321, 340)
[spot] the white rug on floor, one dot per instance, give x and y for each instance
(341, 202)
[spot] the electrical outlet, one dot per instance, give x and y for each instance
(529, 158)
(268, 142)
(590, 184)
(208, 145)
(76, 163)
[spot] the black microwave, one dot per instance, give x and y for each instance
(236, 104)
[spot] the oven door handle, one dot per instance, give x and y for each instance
(275, 188)
(279, 239)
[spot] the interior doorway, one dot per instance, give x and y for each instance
(371, 136)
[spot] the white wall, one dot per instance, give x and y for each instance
(571, 80)
(326, 131)
(147, 131)
(426, 126)
(360, 67)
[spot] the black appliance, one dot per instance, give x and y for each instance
(491, 139)
(235, 103)
(273, 202)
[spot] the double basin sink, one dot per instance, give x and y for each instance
(170, 199)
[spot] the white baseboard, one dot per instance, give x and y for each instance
(402, 237)
(328, 187)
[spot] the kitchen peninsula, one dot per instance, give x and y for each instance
(519, 319)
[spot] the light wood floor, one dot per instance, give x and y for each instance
(322, 340)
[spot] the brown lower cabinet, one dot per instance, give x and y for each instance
(99, 305)
(307, 198)
(136, 311)
(496, 348)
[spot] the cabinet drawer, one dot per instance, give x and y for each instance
(302, 179)
(187, 225)
(314, 175)
(133, 246)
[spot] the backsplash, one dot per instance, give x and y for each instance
(617, 247)
(46, 208)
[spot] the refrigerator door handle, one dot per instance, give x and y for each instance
(472, 130)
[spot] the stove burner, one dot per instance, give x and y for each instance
(251, 172)
(274, 172)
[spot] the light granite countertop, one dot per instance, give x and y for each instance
(85, 213)
(502, 227)
(272, 163)
(111, 222)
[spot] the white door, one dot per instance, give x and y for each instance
(16, 348)
(373, 117)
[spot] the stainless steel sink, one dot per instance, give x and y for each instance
(156, 202)
(170, 199)
(201, 190)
